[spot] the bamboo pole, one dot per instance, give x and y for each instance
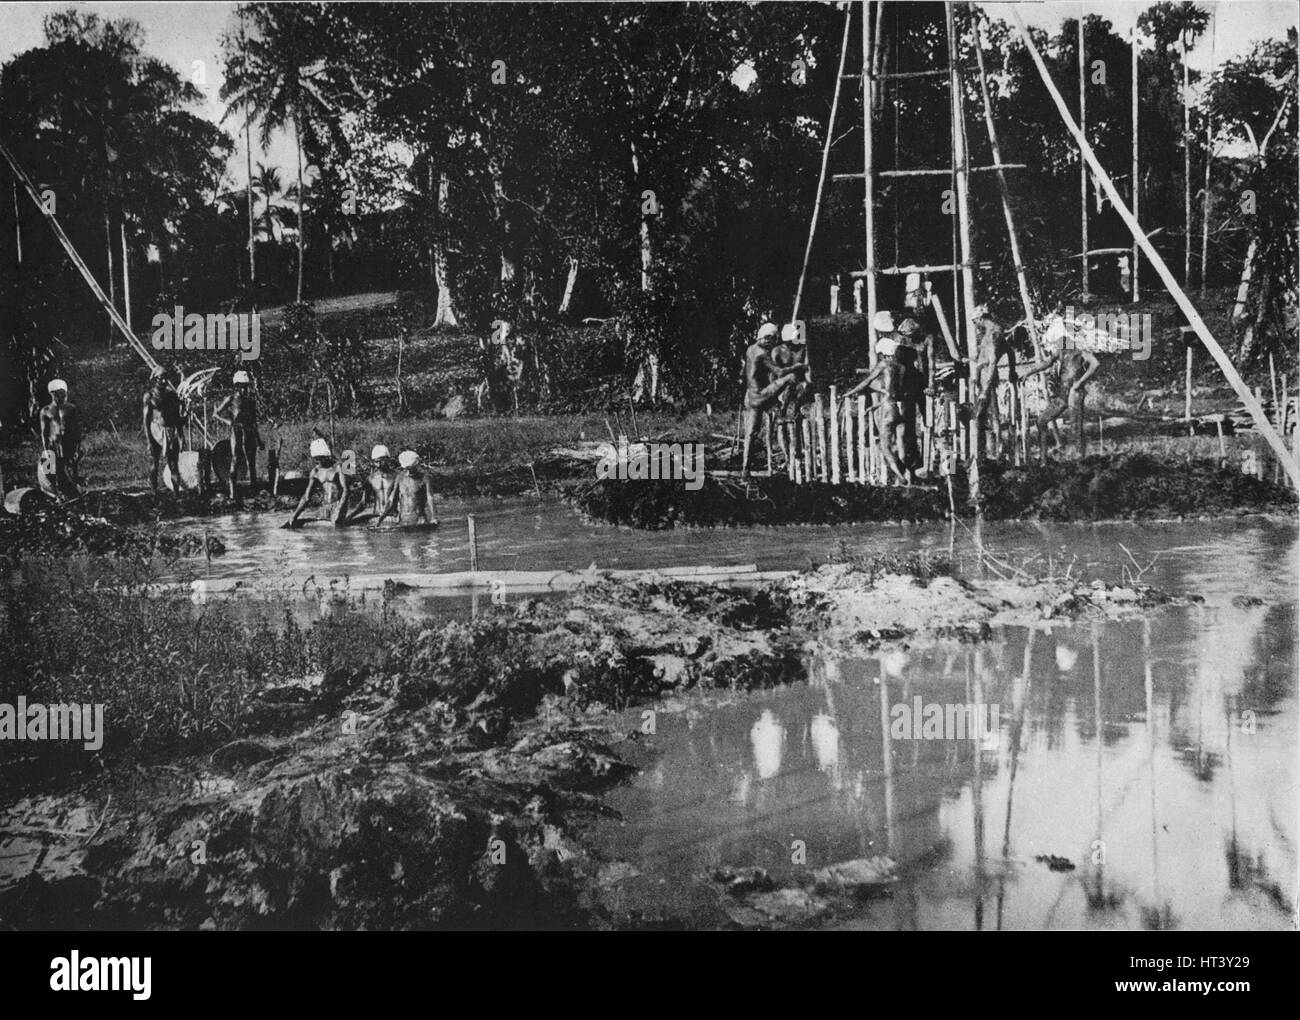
(1136, 188)
(473, 539)
(996, 149)
(961, 159)
(1187, 162)
(1083, 166)
(868, 211)
(76, 259)
(1176, 292)
(826, 154)
(1187, 391)
(835, 438)
(944, 328)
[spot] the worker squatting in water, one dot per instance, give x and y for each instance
(401, 488)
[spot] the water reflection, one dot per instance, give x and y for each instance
(1142, 776)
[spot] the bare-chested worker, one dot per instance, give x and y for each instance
(764, 384)
(383, 477)
(412, 496)
(991, 346)
(792, 351)
(161, 414)
(1068, 371)
(61, 435)
(914, 355)
(326, 473)
(891, 391)
(245, 440)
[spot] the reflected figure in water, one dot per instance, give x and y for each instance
(767, 738)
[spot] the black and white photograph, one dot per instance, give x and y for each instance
(729, 466)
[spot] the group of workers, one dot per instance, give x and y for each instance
(399, 487)
(776, 384)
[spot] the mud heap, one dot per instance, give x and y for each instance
(446, 782)
(1126, 486)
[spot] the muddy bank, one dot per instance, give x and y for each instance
(54, 530)
(1127, 487)
(446, 781)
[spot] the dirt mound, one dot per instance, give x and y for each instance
(1127, 486)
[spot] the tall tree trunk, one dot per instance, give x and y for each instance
(568, 285)
(1257, 324)
(126, 280)
(509, 257)
(297, 129)
(446, 314)
(18, 225)
(252, 248)
(651, 358)
(112, 283)
(248, 152)
(1243, 288)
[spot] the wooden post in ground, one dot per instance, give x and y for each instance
(846, 427)
(835, 438)
(862, 438)
(805, 441)
(473, 542)
(1187, 388)
(819, 410)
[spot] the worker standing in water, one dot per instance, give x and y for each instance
(244, 438)
(333, 483)
(412, 495)
(383, 477)
(61, 436)
(161, 408)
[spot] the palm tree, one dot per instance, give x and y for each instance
(280, 78)
(268, 187)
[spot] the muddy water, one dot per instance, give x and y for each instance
(540, 535)
(1158, 758)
